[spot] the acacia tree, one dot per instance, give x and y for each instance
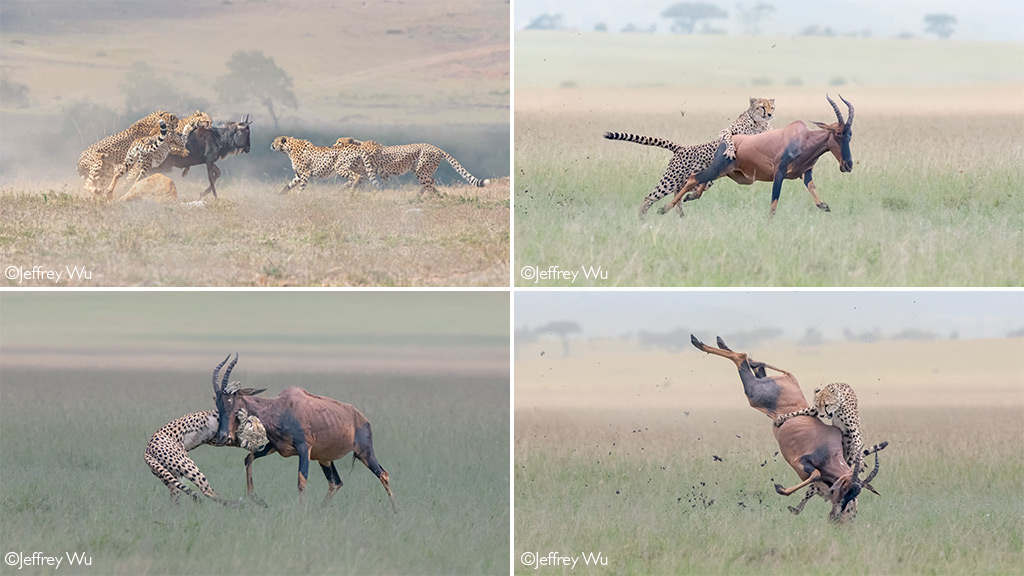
(939, 24)
(752, 16)
(686, 14)
(251, 75)
(562, 329)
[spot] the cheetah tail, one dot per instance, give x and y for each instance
(645, 140)
(474, 181)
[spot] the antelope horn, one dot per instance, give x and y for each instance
(216, 370)
(836, 108)
(227, 373)
(849, 120)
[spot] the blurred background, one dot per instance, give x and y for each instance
(74, 72)
(632, 350)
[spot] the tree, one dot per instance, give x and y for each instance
(562, 329)
(751, 17)
(546, 22)
(686, 14)
(251, 75)
(939, 24)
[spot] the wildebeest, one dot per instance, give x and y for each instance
(298, 424)
(781, 154)
(814, 449)
(206, 146)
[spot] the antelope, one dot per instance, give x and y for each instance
(776, 155)
(298, 424)
(814, 449)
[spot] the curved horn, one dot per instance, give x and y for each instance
(227, 372)
(834, 107)
(849, 107)
(216, 370)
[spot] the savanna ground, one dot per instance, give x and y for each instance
(933, 199)
(615, 453)
(75, 73)
(80, 399)
(255, 236)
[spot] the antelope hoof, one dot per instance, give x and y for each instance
(795, 511)
(780, 489)
(661, 210)
(824, 207)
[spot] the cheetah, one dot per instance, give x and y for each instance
(357, 159)
(687, 160)
(838, 402)
(167, 451)
(421, 159)
(310, 161)
(98, 162)
(141, 157)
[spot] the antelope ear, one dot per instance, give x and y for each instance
(820, 125)
(250, 391)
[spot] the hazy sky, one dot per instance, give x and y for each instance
(983, 20)
(614, 313)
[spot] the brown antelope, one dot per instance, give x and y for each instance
(298, 424)
(813, 448)
(781, 154)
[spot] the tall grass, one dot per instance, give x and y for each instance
(73, 479)
(919, 209)
(647, 492)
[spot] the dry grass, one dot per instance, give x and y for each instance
(254, 236)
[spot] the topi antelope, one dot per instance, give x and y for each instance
(298, 424)
(814, 449)
(781, 154)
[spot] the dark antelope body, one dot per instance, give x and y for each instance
(814, 449)
(776, 155)
(209, 145)
(299, 424)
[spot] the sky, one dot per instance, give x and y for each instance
(979, 20)
(616, 313)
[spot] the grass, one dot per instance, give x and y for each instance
(932, 199)
(646, 492)
(74, 480)
(84, 385)
(615, 451)
(255, 237)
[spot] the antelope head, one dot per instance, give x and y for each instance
(226, 396)
(840, 134)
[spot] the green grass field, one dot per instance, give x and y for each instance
(932, 199)
(257, 237)
(615, 454)
(645, 491)
(80, 398)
